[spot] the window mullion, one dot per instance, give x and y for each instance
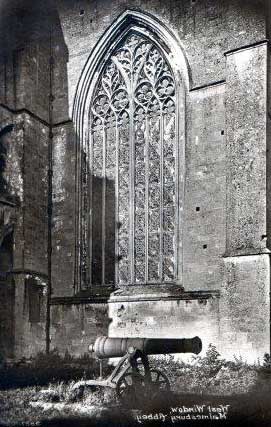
(162, 194)
(90, 186)
(177, 187)
(117, 207)
(147, 201)
(132, 191)
(103, 204)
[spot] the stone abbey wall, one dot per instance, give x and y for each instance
(226, 272)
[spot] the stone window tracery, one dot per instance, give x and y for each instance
(134, 167)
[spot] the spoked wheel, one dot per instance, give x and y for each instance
(130, 389)
(159, 382)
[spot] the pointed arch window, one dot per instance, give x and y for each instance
(133, 154)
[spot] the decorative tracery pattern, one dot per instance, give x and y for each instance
(134, 167)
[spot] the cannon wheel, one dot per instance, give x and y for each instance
(130, 389)
(159, 382)
(133, 388)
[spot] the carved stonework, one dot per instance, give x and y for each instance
(133, 163)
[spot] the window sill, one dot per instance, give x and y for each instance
(93, 295)
(104, 295)
(159, 293)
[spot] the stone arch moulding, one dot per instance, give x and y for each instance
(150, 28)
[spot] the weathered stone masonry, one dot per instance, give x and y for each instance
(222, 293)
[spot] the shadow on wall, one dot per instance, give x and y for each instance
(24, 21)
(7, 289)
(101, 189)
(7, 297)
(32, 43)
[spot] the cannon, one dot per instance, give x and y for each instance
(133, 378)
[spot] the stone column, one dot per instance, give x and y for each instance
(246, 98)
(245, 305)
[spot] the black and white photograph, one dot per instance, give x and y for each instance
(135, 213)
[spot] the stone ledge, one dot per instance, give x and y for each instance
(165, 296)
(246, 252)
(124, 297)
(249, 46)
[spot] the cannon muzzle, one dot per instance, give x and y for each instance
(105, 347)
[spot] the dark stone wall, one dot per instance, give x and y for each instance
(29, 315)
(23, 203)
(35, 193)
(7, 297)
(24, 99)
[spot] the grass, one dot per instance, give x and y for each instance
(45, 368)
(203, 380)
(31, 406)
(215, 375)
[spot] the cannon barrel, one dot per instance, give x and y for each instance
(105, 347)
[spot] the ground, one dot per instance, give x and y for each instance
(204, 391)
(19, 408)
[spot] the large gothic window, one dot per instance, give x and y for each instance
(134, 167)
